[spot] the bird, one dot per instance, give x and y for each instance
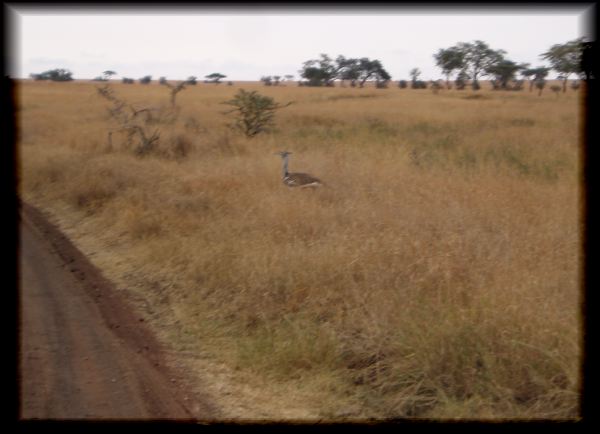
(302, 180)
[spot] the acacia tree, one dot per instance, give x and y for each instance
(416, 83)
(449, 60)
(348, 69)
(323, 71)
(372, 69)
(59, 74)
(566, 58)
(540, 82)
(215, 77)
(504, 71)
(108, 74)
(319, 72)
(535, 74)
(478, 58)
(414, 74)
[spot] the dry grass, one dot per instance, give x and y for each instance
(436, 275)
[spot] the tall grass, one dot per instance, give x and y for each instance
(436, 275)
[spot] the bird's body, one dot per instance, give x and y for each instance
(302, 180)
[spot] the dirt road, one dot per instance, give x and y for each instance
(83, 351)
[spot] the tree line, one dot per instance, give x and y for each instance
(470, 61)
(474, 60)
(61, 74)
(467, 61)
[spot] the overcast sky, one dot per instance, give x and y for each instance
(247, 43)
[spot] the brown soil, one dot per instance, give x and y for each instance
(84, 353)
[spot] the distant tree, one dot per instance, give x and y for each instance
(449, 60)
(540, 84)
(127, 80)
(192, 80)
(527, 73)
(566, 59)
(477, 58)
(504, 71)
(146, 79)
(289, 77)
(108, 74)
(215, 77)
(319, 72)
(414, 74)
(267, 80)
(276, 79)
(402, 84)
(162, 80)
(348, 69)
(530, 74)
(99, 78)
(415, 83)
(323, 71)
(534, 74)
(61, 75)
(54, 75)
(372, 69)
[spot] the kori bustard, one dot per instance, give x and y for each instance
(302, 180)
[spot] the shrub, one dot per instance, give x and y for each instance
(254, 112)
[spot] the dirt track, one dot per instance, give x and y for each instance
(83, 351)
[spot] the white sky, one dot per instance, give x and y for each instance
(247, 43)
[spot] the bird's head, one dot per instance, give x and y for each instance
(282, 154)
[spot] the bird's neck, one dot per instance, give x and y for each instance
(285, 166)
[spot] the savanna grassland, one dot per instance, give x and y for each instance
(435, 275)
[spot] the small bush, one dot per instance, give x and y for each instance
(254, 112)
